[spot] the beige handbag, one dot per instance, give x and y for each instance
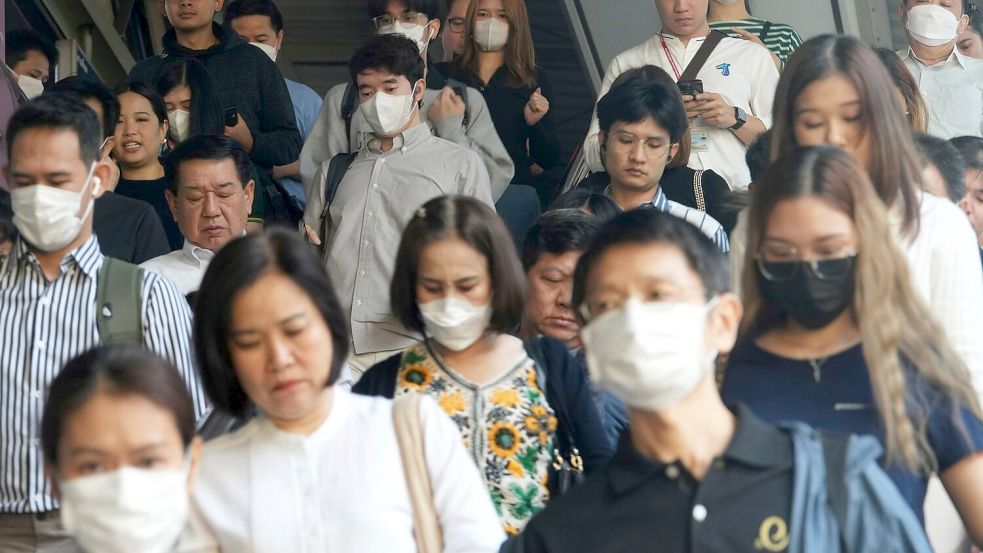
(409, 435)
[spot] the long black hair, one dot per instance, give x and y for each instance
(206, 107)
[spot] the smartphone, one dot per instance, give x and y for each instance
(690, 88)
(231, 116)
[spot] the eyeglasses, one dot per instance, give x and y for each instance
(593, 308)
(823, 269)
(625, 143)
(406, 18)
(456, 24)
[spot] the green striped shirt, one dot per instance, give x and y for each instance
(781, 39)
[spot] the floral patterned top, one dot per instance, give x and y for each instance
(507, 425)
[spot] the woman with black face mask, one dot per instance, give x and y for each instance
(835, 335)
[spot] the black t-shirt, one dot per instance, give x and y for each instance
(128, 229)
(639, 504)
(152, 192)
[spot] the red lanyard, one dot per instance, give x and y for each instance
(672, 61)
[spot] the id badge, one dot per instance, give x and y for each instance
(700, 139)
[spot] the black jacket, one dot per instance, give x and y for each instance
(526, 145)
(567, 391)
(245, 79)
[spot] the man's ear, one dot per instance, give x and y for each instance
(725, 322)
(673, 150)
(104, 173)
(218, 5)
(436, 28)
(279, 40)
(963, 23)
(250, 190)
(903, 11)
(171, 202)
(419, 89)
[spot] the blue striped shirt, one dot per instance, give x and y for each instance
(45, 324)
(701, 220)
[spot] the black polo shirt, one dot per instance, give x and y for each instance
(637, 504)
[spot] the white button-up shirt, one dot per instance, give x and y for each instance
(375, 201)
(185, 267)
(739, 70)
(342, 488)
(953, 91)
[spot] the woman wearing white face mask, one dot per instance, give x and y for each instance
(119, 446)
(459, 282)
(499, 60)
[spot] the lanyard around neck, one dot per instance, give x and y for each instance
(672, 60)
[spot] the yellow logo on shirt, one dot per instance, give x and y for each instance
(772, 535)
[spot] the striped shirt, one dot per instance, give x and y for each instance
(781, 39)
(707, 224)
(45, 324)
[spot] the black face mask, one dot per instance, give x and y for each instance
(811, 301)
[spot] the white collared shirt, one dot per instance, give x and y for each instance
(185, 267)
(739, 70)
(341, 488)
(953, 91)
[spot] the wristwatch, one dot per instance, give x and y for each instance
(741, 118)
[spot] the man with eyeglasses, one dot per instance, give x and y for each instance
(341, 128)
(641, 124)
(453, 37)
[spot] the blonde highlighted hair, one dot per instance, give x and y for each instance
(899, 334)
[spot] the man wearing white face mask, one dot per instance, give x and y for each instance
(30, 57)
(951, 83)
(49, 285)
(690, 473)
(400, 168)
(451, 110)
(261, 24)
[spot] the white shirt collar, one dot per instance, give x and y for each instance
(955, 55)
(196, 253)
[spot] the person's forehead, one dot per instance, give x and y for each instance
(640, 263)
(46, 149)
(458, 8)
(208, 173)
(378, 76)
(252, 24)
(646, 128)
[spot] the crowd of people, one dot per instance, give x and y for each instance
(235, 316)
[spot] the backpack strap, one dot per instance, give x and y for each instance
(711, 42)
(701, 202)
(119, 302)
(348, 106)
(834, 455)
(461, 90)
(337, 167)
(765, 30)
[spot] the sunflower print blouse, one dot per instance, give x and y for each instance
(507, 425)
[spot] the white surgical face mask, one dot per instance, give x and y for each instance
(491, 35)
(386, 114)
(649, 355)
(31, 87)
(268, 49)
(932, 25)
(48, 217)
(179, 122)
(454, 323)
(420, 34)
(126, 510)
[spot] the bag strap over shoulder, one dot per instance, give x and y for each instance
(349, 104)
(701, 202)
(694, 67)
(409, 436)
(119, 302)
(834, 455)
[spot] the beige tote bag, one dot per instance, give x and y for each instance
(409, 435)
